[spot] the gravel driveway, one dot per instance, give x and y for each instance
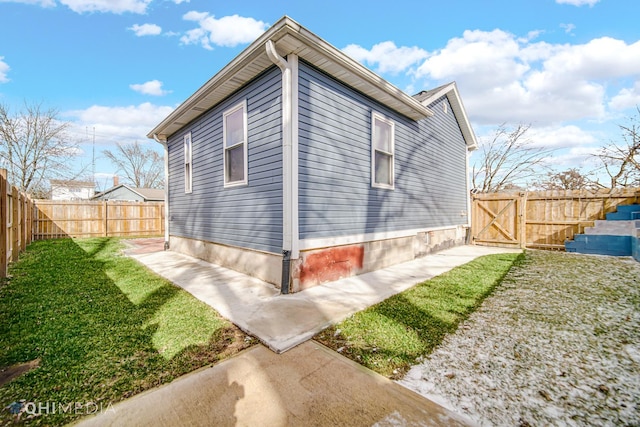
(558, 343)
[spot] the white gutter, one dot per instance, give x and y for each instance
(166, 190)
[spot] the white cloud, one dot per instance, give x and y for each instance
(387, 56)
(491, 57)
(146, 29)
(227, 31)
(626, 98)
(4, 69)
(576, 157)
(41, 3)
(152, 87)
(112, 6)
(561, 137)
(568, 28)
(81, 6)
(504, 78)
(119, 123)
(578, 2)
(600, 58)
(181, 1)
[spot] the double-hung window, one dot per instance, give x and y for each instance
(188, 169)
(235, 145)
(382, 157)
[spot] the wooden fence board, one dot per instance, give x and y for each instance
(4, 208)
(97, 218)
(544, 219)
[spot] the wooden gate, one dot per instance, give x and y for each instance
(542, 219)
(497, 220)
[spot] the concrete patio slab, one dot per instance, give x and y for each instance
(284, 321)
(309, 385)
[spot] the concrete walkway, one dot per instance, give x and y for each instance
(283, 321)
(307, 386)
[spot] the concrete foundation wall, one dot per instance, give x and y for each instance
(322, 265)
(263, 265)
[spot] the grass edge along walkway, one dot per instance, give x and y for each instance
(396, 333)
(102, 327)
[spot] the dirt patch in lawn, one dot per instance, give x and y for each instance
(9, 373)
(557, 343)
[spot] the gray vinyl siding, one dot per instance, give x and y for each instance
(246, 216)
(335, 193)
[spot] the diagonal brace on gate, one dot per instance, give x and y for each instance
(495, 217)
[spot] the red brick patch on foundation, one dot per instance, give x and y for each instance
(330, 264)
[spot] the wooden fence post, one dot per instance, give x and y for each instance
(23, 221)
(106, 219)
(15, 249)
(474, 217)
(3, 223)
(523, 219)
(29, 221)
(160, 211)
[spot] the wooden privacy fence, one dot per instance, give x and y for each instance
(541, 219)
(116, 218)
(23, 220)
(16, 215)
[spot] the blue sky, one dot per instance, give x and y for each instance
(570, 68)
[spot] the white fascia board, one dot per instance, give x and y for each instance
(451, 91)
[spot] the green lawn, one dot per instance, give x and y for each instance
(393, 335)
(102, 326)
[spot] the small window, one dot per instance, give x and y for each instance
(382, 141)
(188, 169)
(235, 145)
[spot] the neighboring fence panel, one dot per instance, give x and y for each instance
(544, 219)
(115, 218)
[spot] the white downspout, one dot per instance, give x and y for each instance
(166, 190)
(289, 68)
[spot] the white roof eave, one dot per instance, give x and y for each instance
(451, 91)
(289, 37)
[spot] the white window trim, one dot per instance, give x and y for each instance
(377, 116)
(188, 161)
(242, 105)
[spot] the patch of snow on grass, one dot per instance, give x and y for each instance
(555, 344)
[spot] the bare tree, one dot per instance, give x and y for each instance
(142, 167)
(508, 161)
(621, 161)
(34, 146)
(570, 179)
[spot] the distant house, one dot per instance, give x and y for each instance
(132, 194)
(298, 165)
(71, 189)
